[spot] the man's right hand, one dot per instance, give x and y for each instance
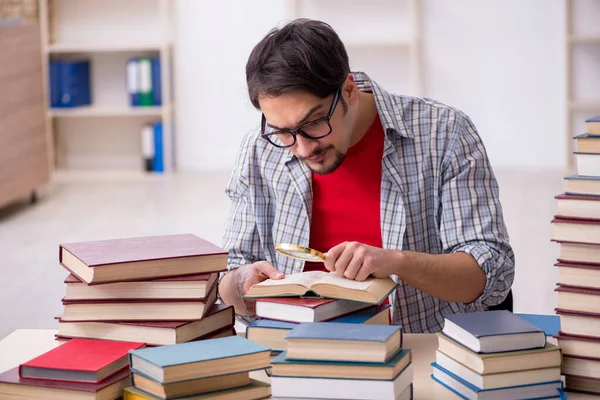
(236, 284)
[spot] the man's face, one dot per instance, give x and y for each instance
(294, 109)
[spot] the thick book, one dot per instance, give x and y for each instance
(579, 274)
(593, 125)
(580, 253)
(581, 384)
(190, 387)
(578, 299)
(325, 284)
(141, 258)
(577, 345)
(298, 309)
(579, 365)
(342, 342)
(347, 389)
(588, 164)
(576, 230)
(578, 184)
(282, 366)
(181, 287)
(587, 143)
(493, 363)
(254, 391)
(271, 333)
(493, 331)
(498, 380)
(579, 323)
(158, 333)
(466, 390)
(14, 387)
(200, 359)
(578, 206)
(80, 360)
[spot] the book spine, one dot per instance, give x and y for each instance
(156, 82)
(157, 161)
(54, 75)
(147, 139)
(145, 82)
(133, 81)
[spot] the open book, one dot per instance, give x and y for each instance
(325, 284)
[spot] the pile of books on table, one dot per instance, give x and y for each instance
(280, 313)
(326, 360)
(496, 355)
(208, 369)
(576, 228)
(158, 290)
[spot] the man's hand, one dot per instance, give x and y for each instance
(236, 284)
(357, 261)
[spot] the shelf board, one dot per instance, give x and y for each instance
(58, 48)
(95, 111)
(585, 105)
(584, 39)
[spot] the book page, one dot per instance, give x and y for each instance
(333, 279)
(304, 279)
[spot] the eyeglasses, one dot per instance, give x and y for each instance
(317, 129)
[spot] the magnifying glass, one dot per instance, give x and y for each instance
(300, 252)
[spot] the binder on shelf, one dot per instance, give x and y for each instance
(70, 83)
(158, 160)
(156, 79)
(147, 138)
(133, 82)
(53, 73)
(145, 67)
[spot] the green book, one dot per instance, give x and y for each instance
(146, 93)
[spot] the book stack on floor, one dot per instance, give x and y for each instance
(576, 228)
(343, 301)
(209, 369)
(158, 290)
(326, 360)
(496, 355)
(79, 369)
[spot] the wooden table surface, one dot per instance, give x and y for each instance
(25, 344)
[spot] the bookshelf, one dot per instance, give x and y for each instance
(382, 38)
(105, 136)
(582, 59)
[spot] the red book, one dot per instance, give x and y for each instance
(298, 309)
(14, 387)
(142, 258)
(80, 360)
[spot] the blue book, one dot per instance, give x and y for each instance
(493, 331)
(344, 342)
(158, 159)
(54, 86)
(156, 80)
(283, 366)
(200, 359)
(587, 136)
(593, 119)
(466, 390)
(74, 87)
(550, 324)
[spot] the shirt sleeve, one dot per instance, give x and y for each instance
(471, 218)
(241, 237)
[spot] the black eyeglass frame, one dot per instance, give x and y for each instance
(299, 130)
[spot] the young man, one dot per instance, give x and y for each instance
(385, 185)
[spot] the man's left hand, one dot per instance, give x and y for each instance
(357, 261)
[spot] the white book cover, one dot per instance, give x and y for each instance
(588, 164)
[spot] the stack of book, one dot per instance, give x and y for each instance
(343, 301)
(211, 369)
(326, 360)
(576, 228)
(496, 355)
(79, 369)
(158, 290)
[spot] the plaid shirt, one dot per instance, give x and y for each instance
(438, 196)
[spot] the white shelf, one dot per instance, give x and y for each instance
(580, 39)
(63, 48)
(92, 111)
(585, 105)
(107, 175)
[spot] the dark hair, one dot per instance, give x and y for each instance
(302, 55)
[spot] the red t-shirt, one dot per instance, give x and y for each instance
(346, 203)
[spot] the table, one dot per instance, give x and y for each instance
(25, 344)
